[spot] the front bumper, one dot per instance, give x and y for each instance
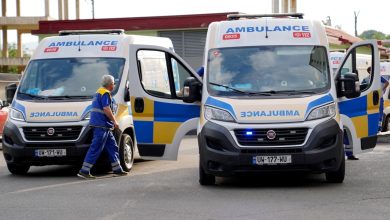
(220, 155)
(17, 150)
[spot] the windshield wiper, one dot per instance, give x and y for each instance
(70, 97)
(292, 92)
(31, 95)
(239, 91)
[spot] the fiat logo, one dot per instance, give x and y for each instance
(271, 135)
(50, 131)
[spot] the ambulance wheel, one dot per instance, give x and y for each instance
(126, 152)
(386, 122)
(338, 175)
(18, 169)
(204, 178)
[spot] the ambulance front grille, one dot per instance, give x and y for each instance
(281, 136)
(52, 133)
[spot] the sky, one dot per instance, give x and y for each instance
(373, 14)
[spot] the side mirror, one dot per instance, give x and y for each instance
(10, 91)
(348, 85)
(192, 90)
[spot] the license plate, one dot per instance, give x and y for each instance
(272, 160)
(50, 153)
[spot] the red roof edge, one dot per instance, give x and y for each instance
(133, 23)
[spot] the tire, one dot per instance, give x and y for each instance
(385, 125)
(126, 152)
(338, 175)
(18, 169)
(204, 178)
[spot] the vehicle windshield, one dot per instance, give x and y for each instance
(268, 70)
(68, 77)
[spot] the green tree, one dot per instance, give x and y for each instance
(12, 53)
(373, 34)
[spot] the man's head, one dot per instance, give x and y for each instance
(108, 82)
(369, 70)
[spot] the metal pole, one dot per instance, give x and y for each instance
(66, 9)
(17, 8)
(275, 6)
(47, 8)
(356, 17)
(285, 6)
(93, 9)
(60, 10)
(5, 33)
(77, 9)
(4, 29)
(293, 6)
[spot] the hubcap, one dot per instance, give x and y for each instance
(128, 154)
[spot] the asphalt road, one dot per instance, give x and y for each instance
(170, 190)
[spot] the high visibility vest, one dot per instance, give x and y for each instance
(98, 117)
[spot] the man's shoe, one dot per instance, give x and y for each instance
(120, 173)
(86, 176)
(352, 157)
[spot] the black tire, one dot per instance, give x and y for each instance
(385, 125)
(204, 178)
(338, 175)
(126, 152)
(18, 169)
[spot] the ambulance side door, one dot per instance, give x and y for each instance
(161, 118)
(360, 116)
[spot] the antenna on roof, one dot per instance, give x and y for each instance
(252, 16)
(83, 32)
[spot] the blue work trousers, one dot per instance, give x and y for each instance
(103, 139)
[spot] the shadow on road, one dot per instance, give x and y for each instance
(273, 180)
(68, 170)
(53, 171)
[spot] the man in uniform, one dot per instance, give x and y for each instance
(102, 122)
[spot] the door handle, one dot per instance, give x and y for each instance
(375, 97)
(139, 105)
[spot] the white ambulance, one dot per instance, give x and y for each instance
(385, 73)
(267, 102)
(48, 120)
(363, 61)
(335, 59)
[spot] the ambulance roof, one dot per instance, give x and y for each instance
(94, 45)
(266, 31)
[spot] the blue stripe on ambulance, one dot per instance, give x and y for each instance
(354, 107)
(144, 131)
(373, 124)
(318, 102)
(220, 104)
(358, 107)
(86, 111)
(18, 106)
(164, 112)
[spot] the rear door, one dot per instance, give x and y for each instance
(161, 118)
(361, 116)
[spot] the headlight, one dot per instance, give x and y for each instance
(87, 116)
(16, 115)
(322, 112)
(211, 113)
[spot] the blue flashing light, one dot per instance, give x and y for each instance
(249, 133)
